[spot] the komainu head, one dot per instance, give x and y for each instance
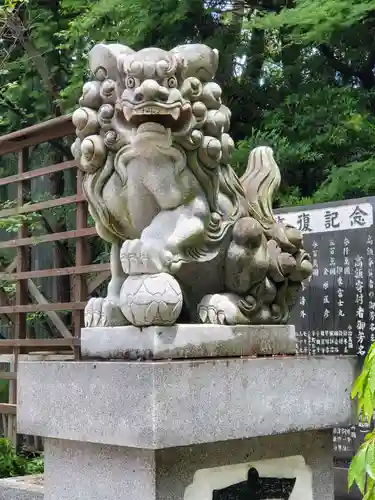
(152, 85)
(174, 90)
(154, 89)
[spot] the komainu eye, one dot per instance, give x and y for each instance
(130, 82)
(172, 82)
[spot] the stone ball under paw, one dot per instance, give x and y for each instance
(151, 299)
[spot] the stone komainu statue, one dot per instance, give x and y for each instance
(190, 242)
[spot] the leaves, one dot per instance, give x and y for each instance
(12, 464)
(316, 20)
(362, 467)
(357, 469)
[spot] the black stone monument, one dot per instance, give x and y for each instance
(335, 311)
(257, 488)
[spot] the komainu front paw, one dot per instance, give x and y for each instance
(103, 312)
(221, 309)
(138, 258)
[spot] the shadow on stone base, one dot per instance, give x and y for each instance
(102, 472)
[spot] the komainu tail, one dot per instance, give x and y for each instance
(260, 183)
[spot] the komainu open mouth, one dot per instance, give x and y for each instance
(170, 116)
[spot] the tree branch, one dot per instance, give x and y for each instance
(16, 25)
(337, 64)
(21, 114)
(267, 5)
(370, 62)
(59, 148)
(364, 74)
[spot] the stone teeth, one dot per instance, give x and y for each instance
(175, 113)
(128, 113)
(151, 110)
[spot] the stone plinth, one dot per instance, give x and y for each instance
(180, 429)
(186, 341)
(163, 404)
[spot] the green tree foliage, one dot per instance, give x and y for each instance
(298, 75)
(362, 467)
(331, 108)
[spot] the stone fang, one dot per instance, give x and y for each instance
(175, 113)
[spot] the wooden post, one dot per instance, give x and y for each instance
(23, 264)
(80, 287)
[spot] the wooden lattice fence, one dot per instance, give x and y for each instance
(26, 296)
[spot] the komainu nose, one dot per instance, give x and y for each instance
(150, 90)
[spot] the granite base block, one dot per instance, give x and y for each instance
(102, 472)
(162, 404)
(184, 429)
(186, 341)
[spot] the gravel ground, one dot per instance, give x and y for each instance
(39, 480)
(24, 482)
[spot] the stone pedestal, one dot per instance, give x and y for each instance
(180, 429)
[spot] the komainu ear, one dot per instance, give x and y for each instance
(200, 61)
(103, 59)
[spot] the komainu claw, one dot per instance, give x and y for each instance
(101, 312)
(221, 309)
